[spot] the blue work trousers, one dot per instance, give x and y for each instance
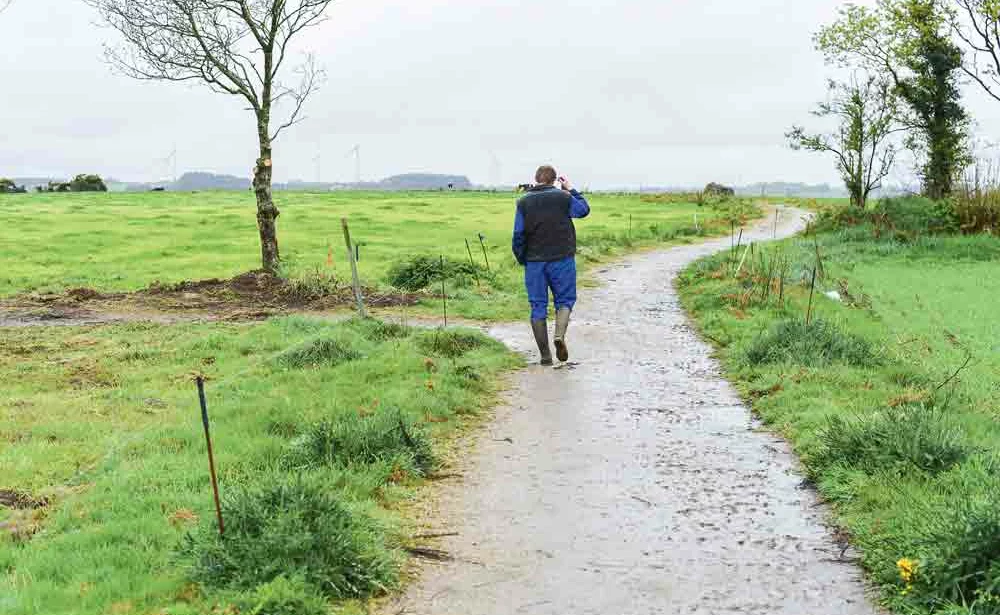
(559, 276)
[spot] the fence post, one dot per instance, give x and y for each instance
(358, 298)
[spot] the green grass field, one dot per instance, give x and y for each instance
(123, 242)
(103, 423)
(907, 454)
(105, 502)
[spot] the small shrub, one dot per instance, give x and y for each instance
(420, 272)
(813, 345)
(386, 436)
(289, 527)
(284, 596)
(319, 352)
(452, 343)
(905, 438)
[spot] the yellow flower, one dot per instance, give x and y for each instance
(907, 570)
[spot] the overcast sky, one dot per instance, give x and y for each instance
(614, 92)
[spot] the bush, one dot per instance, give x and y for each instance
(718, 190)
(897, 439)
(88, 183)
(421, 271)
(815, 344)
(452, 343)
(7, 186)
(289, 527)
(324, 351)
(383, 437)
(284, 596)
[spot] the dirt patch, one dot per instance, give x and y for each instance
(255, 295)
(21, 501)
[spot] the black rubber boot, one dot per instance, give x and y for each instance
(541, 330)
(562, 324)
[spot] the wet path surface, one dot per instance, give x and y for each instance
(633, 482)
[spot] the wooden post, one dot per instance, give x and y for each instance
(776, 222)
(354, 270)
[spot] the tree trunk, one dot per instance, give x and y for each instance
(267, 213)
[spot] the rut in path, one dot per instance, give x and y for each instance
(634, 482)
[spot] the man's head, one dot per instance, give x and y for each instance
(546, 175)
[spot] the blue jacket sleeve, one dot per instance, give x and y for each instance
(579, 207)
(519, 244)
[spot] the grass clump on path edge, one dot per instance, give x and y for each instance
(315, 465)
(889, 396)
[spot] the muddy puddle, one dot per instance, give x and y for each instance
(634, 482)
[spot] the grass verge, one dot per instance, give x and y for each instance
(889, 394)
(322, 432)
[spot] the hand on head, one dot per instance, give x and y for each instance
(566, 185)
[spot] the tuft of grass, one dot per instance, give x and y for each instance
(815, 344)
(284, 596)
(453, 343)
(289, 526)
(898, 439)
(419, 272)
(323, 351)
(387, 436)
(376, 330)
(960, 563)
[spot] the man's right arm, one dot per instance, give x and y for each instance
(519, 243)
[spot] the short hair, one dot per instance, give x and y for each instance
(546, 174)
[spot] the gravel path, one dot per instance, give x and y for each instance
(634, 481)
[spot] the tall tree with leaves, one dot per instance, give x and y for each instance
(235, 47)
(909, 42)
(867, 111)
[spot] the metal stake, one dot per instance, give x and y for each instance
(812, 288)
(473, 261)
(211, 458)
(482, 242)
(444, 295)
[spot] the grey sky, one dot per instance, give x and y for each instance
(615, 92)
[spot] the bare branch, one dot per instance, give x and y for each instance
(979, 30)
(236, 47)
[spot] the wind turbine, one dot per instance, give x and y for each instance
(356, 152)
(317, 162)
(495, 169)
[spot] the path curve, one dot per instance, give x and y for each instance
(635, 482)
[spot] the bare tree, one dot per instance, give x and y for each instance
(236, 47)
(868, 113)
(976, 24)
(4, 4)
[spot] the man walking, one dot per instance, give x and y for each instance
(545, 244)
